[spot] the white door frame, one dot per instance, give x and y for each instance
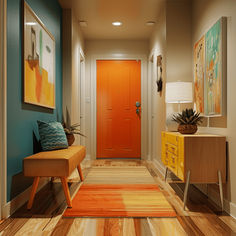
(150, 76)
(82, 96)
(144, 102)
(152, 118)
(3, 106)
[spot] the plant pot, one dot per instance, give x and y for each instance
(187, 129)
(70, 139)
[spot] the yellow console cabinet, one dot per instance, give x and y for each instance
(198, 158)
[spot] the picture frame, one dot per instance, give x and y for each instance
(199, 74)
(38, 61)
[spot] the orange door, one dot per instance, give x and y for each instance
(118, 124)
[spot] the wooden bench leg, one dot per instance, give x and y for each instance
(33, 191)
(66, 191)
(80, 172)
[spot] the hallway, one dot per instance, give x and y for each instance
(55, 50)
(45, 218)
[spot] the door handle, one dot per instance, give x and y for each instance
(137, 104)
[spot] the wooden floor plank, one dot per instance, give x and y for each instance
(15, 226)
(113, 226)
(167, 227)
(62, 227)
(229, 221)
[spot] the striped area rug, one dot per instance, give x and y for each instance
(119, 192)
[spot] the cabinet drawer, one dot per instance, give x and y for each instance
(172, 139)
(172, 161)
(171, 148)
(165, 159)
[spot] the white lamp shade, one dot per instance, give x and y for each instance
(179, 92)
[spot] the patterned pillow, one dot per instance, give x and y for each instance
(52, 135)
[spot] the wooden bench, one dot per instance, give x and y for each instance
(59, 163)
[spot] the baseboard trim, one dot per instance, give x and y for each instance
(148, 157)
(21, 199)
(160, 167)
(232, 209)
(229, 206)
(87, 157)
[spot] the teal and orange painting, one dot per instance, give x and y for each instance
(213, 81)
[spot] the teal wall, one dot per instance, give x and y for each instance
(21, 118)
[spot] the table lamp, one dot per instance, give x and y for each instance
(179, 92)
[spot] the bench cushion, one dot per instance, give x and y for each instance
(54, 163)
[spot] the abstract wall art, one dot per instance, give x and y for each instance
(210, 71)
(39, 61)
(214, 75)
(199, 74)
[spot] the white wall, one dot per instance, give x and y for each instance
(72, 43)
(118, 49)
(204, 14)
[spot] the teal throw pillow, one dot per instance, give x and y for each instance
(52, 135)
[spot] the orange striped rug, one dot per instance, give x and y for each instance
(119, 200)
(119, 191)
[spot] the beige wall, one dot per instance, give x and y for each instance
(157, 112)
(178, 40)
(204, 14)
(178, 45)
(96, 49)
(172, 38)
(73, 42)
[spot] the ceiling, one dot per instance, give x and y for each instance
(99, 15)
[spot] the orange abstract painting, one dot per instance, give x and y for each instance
(39, 62)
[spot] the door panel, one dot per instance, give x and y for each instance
(118, 125)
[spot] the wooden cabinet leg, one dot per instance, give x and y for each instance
(80, 172)
(166, 174)
(221, 190)
(33, 191)
(66, 191)
(186, 188)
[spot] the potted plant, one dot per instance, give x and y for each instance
(70, 130)
(188, 121)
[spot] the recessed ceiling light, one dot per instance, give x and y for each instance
(117, 23)
(150, 23)
(83, 23)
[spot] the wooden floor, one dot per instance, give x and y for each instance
(45, 218)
